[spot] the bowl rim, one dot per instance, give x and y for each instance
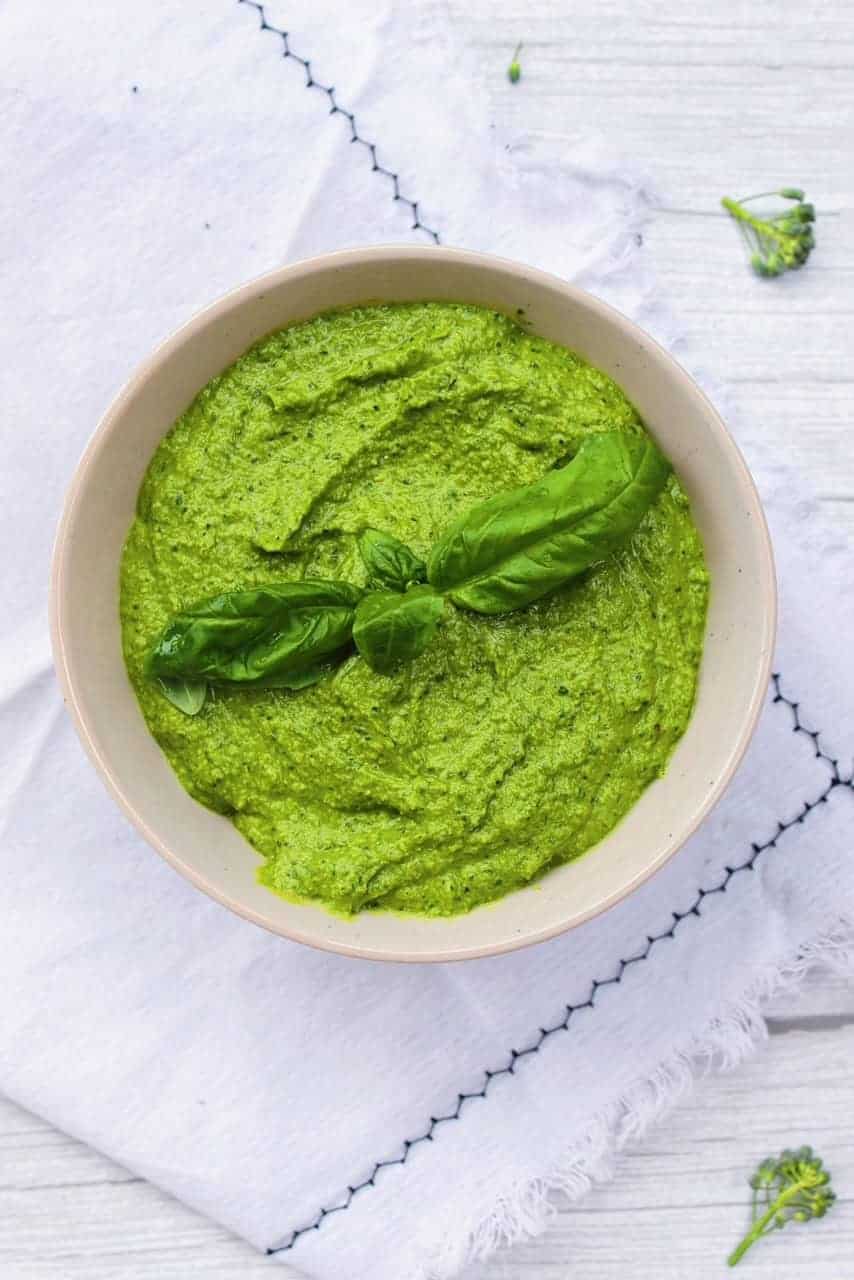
(232, 301)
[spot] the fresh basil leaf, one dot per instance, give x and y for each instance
(516, 547)
(187, 695)
(263, 635)
(389, 562)
(392, 628)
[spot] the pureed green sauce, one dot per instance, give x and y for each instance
(513, 743)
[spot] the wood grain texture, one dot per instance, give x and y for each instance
(707, 99)
(678, 1201)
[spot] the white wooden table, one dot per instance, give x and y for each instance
(709, 99)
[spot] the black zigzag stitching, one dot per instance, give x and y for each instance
(335, 108)
(834, 780)
(756, 850)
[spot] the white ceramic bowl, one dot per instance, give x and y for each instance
(206, 848)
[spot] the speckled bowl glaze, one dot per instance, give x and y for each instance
(206, 848)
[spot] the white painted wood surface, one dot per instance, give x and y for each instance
(678, 1203)
(707, 99)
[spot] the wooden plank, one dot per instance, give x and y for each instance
(678, 1200)
(707, 100)
(681, 1201)
(658, 82)
(823, 995)
(67, 1211)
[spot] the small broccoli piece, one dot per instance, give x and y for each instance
(778, 242)
(514, 71)
(794, 1187)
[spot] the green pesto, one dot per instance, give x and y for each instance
(513, 743)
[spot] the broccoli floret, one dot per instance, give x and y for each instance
(793, 1187)
(777, 242)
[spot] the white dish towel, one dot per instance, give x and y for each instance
(360, 1119)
